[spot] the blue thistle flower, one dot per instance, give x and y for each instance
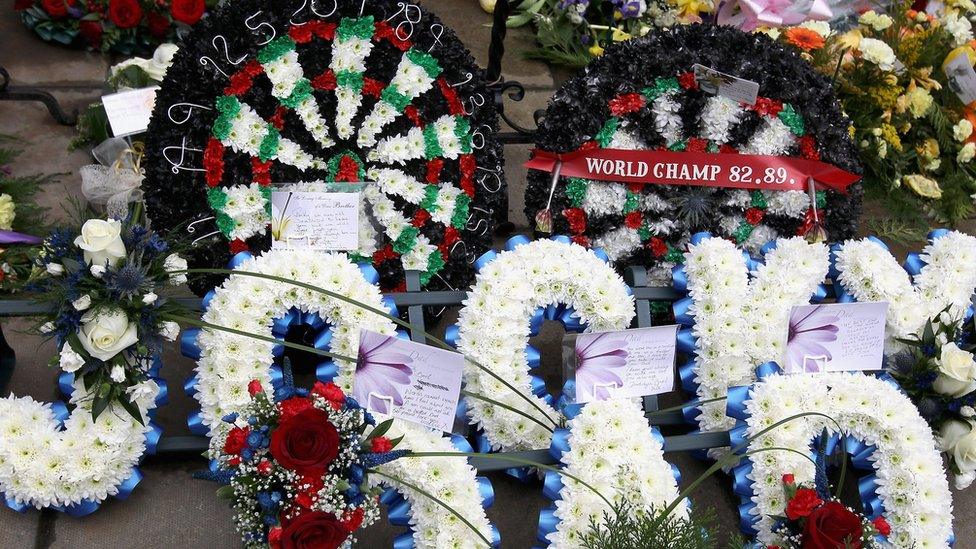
(375, 460)
(156, 244)
(220, 476)
(129, 280)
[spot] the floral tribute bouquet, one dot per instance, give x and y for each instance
(296, 466)
(571, 33)
(108, 321)
(914, 134)
(19, 215)
(121, 26)
(816, 520)
(133, 73)
(938, 372)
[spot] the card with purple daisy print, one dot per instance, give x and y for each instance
(836, 337)
(621, 364)
(408, 380)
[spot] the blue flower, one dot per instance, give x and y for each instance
(247, 454)
(254, 439)
(231, 417)
(129, 281)
(356, 474)
(156, 244)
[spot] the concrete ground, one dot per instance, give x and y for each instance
(169, 508)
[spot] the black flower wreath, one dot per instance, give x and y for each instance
(642, 94)
(376, 91)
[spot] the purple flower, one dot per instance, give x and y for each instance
(598, 365)
(380, 371)
(809, 330)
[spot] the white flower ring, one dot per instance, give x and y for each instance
(879, 428)
(50, 458)
(610, 446)
(943, 276)
(514, 291)
(736, 311)
(227, 362)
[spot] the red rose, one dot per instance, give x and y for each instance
(92, 32)
(352, 520)
(802, 504)
(306, 442)
(381, 445)
(187, 11)
(316, 529)
(158, 24)
(236, 441)
(882, 526)
(274, 537)
(57, 8)
(788, 478)
(832, 526)
(124, 13)
(291, 407)
(254, 387)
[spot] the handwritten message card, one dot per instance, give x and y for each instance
(408, 380)
(718, 83)
(836, 337)
(314, 220)
(129, 111)
(624, 364)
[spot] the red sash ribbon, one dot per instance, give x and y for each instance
(739, 171)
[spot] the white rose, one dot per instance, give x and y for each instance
(55, 269)
(106, 334)
(135, 61)
(966, 153)
(47, 328)
(82, 303)
(957, 372)
(170, 331)
(161, 60)
(97, 271)
(7, 212)
(959, 440)
(101, 241)
(967, 411)
(70, 360)
(964, 480)
(176, 263)
(117, 374)
(150, 298)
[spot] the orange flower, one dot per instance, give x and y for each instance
(804, 38)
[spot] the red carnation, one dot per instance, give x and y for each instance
(658, 247)
(213, 162)
(301, 34)
(124, 13)
(420, 218)
(293, 406)
(687, 81)
(329, 391)
(264, 467)
(187, 11)
(581, 240)
(306, 442)
(634, 220)
(808, 148)
(414, 115)
(253, 68)
(348, 170)
(254, 387)
(626, 103)
(237, 246)
(158, 24)
(434, 168)
(92, 32)
(882, 526)
(802, 504)
(260, 171)
(312, 529)
(788, 478)
(56, 8)
(240, 83)
(236, 441)
(754, 215)
(325, 31)
(696, 145)
(325, 81)
(381, 445)
(576, 219)
(372, 87)
(278, 118)
(767, 107)
(832, 525)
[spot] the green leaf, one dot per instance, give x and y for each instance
(225, 492)
(133, 410)
(380, 429)
(396, 441)
(519, 20)
(98, 406)
(928, 335)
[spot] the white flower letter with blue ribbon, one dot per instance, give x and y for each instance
(735, 314)
(610, 446)
(514, 292)
(876, 425)
(941, 276)
(68, 462)
(227, 362)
